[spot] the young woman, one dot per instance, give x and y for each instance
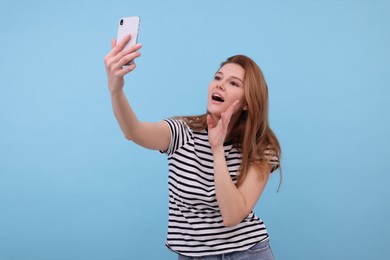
(219, 162)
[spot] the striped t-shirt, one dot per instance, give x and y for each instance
(195, 225)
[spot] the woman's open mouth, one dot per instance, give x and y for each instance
(217, 98)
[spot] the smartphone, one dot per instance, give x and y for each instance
(128, 25)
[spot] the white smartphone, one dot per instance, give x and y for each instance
(128, 25)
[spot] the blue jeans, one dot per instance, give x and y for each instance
(260, 251)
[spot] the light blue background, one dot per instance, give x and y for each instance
(71, 187)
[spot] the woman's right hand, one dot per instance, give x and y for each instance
(115, 62)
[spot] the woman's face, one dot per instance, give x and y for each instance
(226, 87)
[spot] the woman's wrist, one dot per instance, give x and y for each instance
(116, 92)
(218, 151)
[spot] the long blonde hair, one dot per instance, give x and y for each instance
(251, 133)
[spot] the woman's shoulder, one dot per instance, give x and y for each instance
(195, 123)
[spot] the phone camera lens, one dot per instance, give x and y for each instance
(121, 22)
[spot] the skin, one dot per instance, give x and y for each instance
(234, 202)
(228, 83)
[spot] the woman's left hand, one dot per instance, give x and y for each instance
(217, 131)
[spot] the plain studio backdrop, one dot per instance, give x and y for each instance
(72, 187)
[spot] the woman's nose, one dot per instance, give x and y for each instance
(221, 86)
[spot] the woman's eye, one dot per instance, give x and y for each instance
(217, 78)
(234, 84)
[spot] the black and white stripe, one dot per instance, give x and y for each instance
(195, 223)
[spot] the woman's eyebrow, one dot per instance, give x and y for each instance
(238, 79)
(234, 77)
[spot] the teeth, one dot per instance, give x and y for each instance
(217, 97)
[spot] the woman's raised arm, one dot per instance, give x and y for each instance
(154, 136)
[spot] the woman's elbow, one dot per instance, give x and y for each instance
(231, 222)
(128, 137)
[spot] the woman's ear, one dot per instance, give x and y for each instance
(245, 107)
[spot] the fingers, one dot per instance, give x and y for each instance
(113, 43)
(122, 58)
(210, 122)
(230, 110)
(121, 54)
(117, 47)
(126, 70)
(120, 45)
(130, 50)
(227, 115)
(126, 59)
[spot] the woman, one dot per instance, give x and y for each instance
(219, 162)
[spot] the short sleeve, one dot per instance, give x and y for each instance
(272, 158)
(180, 135)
